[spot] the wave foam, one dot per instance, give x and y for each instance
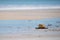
(29, 7)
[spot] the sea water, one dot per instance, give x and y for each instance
(16, 26)
(29, 4)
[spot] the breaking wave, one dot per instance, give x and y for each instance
(27, 7)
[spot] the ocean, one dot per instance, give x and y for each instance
(29, 4)
(11, 26)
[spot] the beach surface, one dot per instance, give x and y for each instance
(15, 37)
(42, 34)
(33, 14)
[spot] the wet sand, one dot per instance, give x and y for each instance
(42, 38)
(29, 14)
(37, 35)
(29, 37)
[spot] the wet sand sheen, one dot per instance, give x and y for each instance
(29, 37)
(29, 14)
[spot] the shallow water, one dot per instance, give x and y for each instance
(14, 26)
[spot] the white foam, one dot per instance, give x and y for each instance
(29, 7)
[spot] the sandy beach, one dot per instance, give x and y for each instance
(29, 14)
(28, 38)
(49, 35)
